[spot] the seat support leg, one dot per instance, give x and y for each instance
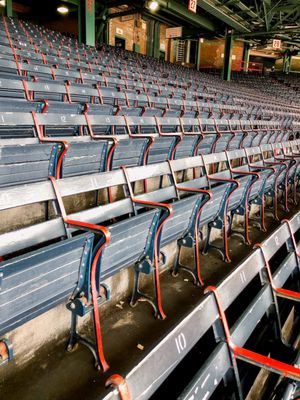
(139, 296)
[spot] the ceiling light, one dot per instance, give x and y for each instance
(2, 3)
(63, 10)
(153, 5)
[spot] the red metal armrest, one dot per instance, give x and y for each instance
(150, 136)
(177, 134)
(289, 294)
(286, 221)
(252, 357)
(236, 171)
(284, 369)
(195, 190)
(276, 163)
(44, 139)
(262, 167)
(225, 180)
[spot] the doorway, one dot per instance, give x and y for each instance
(120, 42)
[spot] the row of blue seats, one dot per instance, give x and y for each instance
(122, 66)
(81, 77)
(46, 262)
(34, 146)
(267, 282)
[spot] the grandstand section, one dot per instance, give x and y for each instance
(149, 200)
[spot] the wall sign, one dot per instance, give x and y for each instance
(192, 6)
(174, 32)
(276, 44)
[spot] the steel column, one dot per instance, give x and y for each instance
(8, 8)
(198, 55)
(287, 61)
(227, 55)
(150, 37)
(86, 22)
(80, 23)
(101, 31)
(187, 51)
(156, 40)
(246, 56)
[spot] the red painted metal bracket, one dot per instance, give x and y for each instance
(94, 290)
(252, 357)
(168, 208)
(281, 292)
(44, 139)
(118, 382)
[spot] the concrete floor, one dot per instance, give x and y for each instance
(57, 375)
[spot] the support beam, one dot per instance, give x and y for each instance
(246, 57)
(178, 10)
(164, 20)
(227, 55)
(8, 8)
(220, 14)
(273, 33)
(86, 22)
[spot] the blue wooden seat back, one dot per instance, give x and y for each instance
(188, 146)
(102, 109)
(236, 141)
(281, 168)
(213, 208)
(27, 161)
(238, 197)
(46, 90)
(129, 152)
(131, 111)
(121, 251)
(206, 145)
(59, 107)
(82, 93)
(238, 161)
(164, 145)
(184, 210)
(8, 68)
(11, 88)
(254, 153)
(258, 135)
(152, 112)
(85, 156)
(39, 279)
(45, 278)
(61, 125)
(16, 125)
(161, 150)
